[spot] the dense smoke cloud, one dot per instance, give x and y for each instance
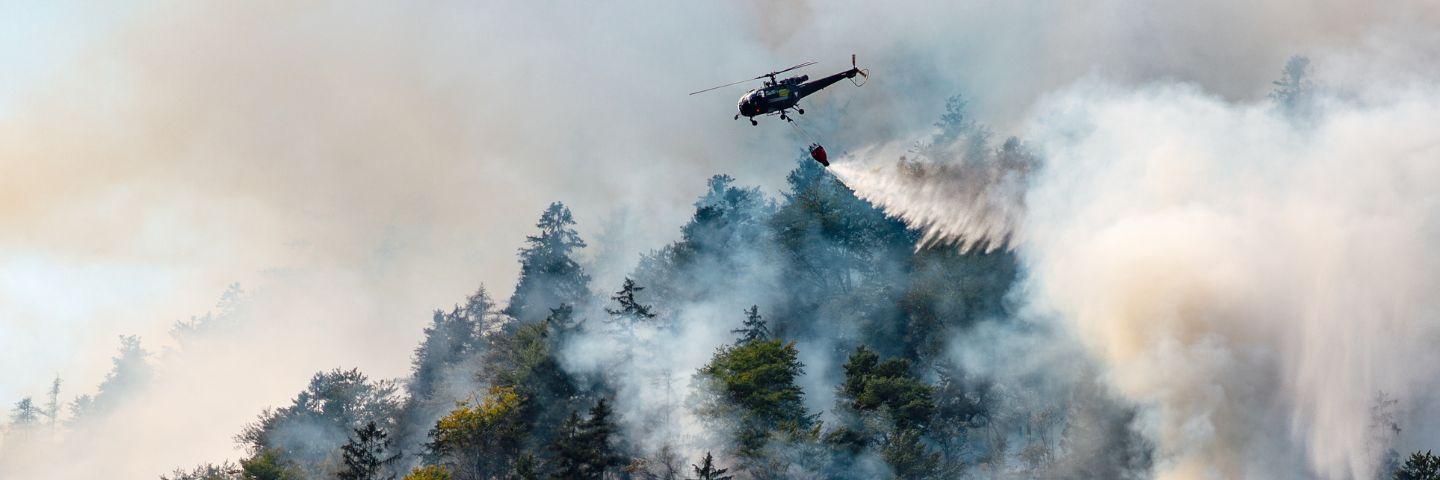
(1260, 284)
(1256, 277)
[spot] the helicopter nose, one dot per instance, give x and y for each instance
(747, 107)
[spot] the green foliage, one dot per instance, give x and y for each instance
(428, 472)
(481, 441)
(755, 383)
(1294, 89)
(754, 327)
(842, 260)
(727, 239)
(1420, 466)
(364, 455)
(52, 403)
(888, 387)
(450, 338)
(25, 414)
(269, 465)
(208, 471)
(310, 431)
(523, 359)
(451, 343)
(549, 275)
(706, 469)
(947, 291)
(630, 309)
(585, 449)
(598, 433)
(888, 408)
(526, 468)
(568, 450)
(908, 456)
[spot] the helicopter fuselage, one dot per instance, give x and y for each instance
(776, 97)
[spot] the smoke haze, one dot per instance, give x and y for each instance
(1257, 279)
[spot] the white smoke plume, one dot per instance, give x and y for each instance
(973, 201)
(1261, 284)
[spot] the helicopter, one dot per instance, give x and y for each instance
(779, 96)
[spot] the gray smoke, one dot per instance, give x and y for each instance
(1255, 277)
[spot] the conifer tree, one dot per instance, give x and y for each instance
(1293, 90)
(52, 404)
(630, 309)
(754, 384)
(599, 431)
(25, 414)
(1420, 466)
(568, 458)
(131, 371)
(549, 275)
(584, 449)
(754, 327)
(706, 469)
(365, 455)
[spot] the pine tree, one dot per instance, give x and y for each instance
(450, 339)
(886, 387)
(888, 393)
(269, 465)
(754, 327)
(130, 373)
(908, 456)
(484, 440)
(1293, 90)
(524, 358)
(707, 470)
(479, 307)
(839, 258)
(333, 404)
(630, 309)
(25, 414)
(567, 450)
(549, 275)
(447, 341)
(598, 433)
(208, 471)
(1420, 466)
(727, 240)
(80, 408)
(52, 404)
(364, 455)
(526, 468)
(754, 384)
(584, 449)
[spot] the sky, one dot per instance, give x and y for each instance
(355, 165)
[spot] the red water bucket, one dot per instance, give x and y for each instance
(818, 153)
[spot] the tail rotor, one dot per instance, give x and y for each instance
(864, 74)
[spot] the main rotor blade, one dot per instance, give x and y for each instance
(806, 64)
(729, 84)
